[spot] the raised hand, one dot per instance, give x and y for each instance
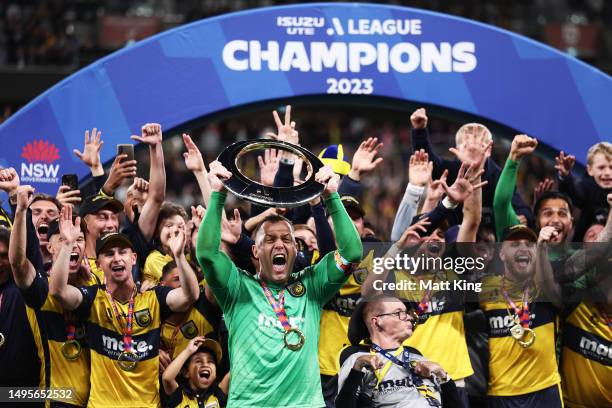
(216, 175)
(411, 236)
(197, 215)
(24, 197)
(268, 166)
(195, 343)
(564, 164)
(120, 170)
(9, 180)
(522, 145)
(151, 134)
(68, 197)
(91, 149)
(463, 185)
(364, 159)
(327, 177)
(69, 230)
(193, 158)
(177, 243)
(231, 229)
(419, 119)
(542, 187)
(435, 188)
(475, 146)
(419, 168)
(285, 131)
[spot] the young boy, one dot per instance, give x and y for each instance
(589, 193)
(197, 367)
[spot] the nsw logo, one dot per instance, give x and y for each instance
(40, 156)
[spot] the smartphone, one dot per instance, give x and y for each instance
(70, 180)
(126, 149)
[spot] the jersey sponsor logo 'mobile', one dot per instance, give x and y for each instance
(40, 156)
(596, 349)
(113, 347)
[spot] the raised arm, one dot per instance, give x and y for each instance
(215, 264)
(472, 206)
(180, 299)
(409, 238)
(23, 270)
(504, 214)
(67, 295)
(195, 162)
(174, 368)
(419, 173)
(545, 277)
(347, 237)
(152, 135)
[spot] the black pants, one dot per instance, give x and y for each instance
(546, 398)
(329, 385)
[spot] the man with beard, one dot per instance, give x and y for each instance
(123, 324)
(379, 370)
(44, 208)
(273, 318)
(522, 366)
(60, 335)
(586, 367)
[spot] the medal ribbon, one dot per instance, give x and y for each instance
(523, 311)
(404, 362)
(70, 326)
(279, 307)
(127, 333)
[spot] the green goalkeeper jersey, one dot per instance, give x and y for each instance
(264, 372)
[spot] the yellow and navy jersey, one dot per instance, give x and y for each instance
(19, 355)
(5, 219)
(139, 387)
(335, 317)
(440, 334)
(514, 370)
(154, 265)
(95, 270)
(201, 319)
(185, 397)
(48, 319)
(586, 360)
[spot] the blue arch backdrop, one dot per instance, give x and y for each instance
(313, 49)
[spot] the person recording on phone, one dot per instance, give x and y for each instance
(101, 211)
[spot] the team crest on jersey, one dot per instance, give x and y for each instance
(360, 275)
(189, 330)
(143, 317)
(297, 289)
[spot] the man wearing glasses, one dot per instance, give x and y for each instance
(377, 370)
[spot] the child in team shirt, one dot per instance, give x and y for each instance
(196, 367)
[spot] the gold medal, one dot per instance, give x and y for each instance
(2, 339)
(517, 331)
(528, 338)
(71, 350)
(300, 342)
(128, 360)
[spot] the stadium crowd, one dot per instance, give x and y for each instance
(147, 299)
